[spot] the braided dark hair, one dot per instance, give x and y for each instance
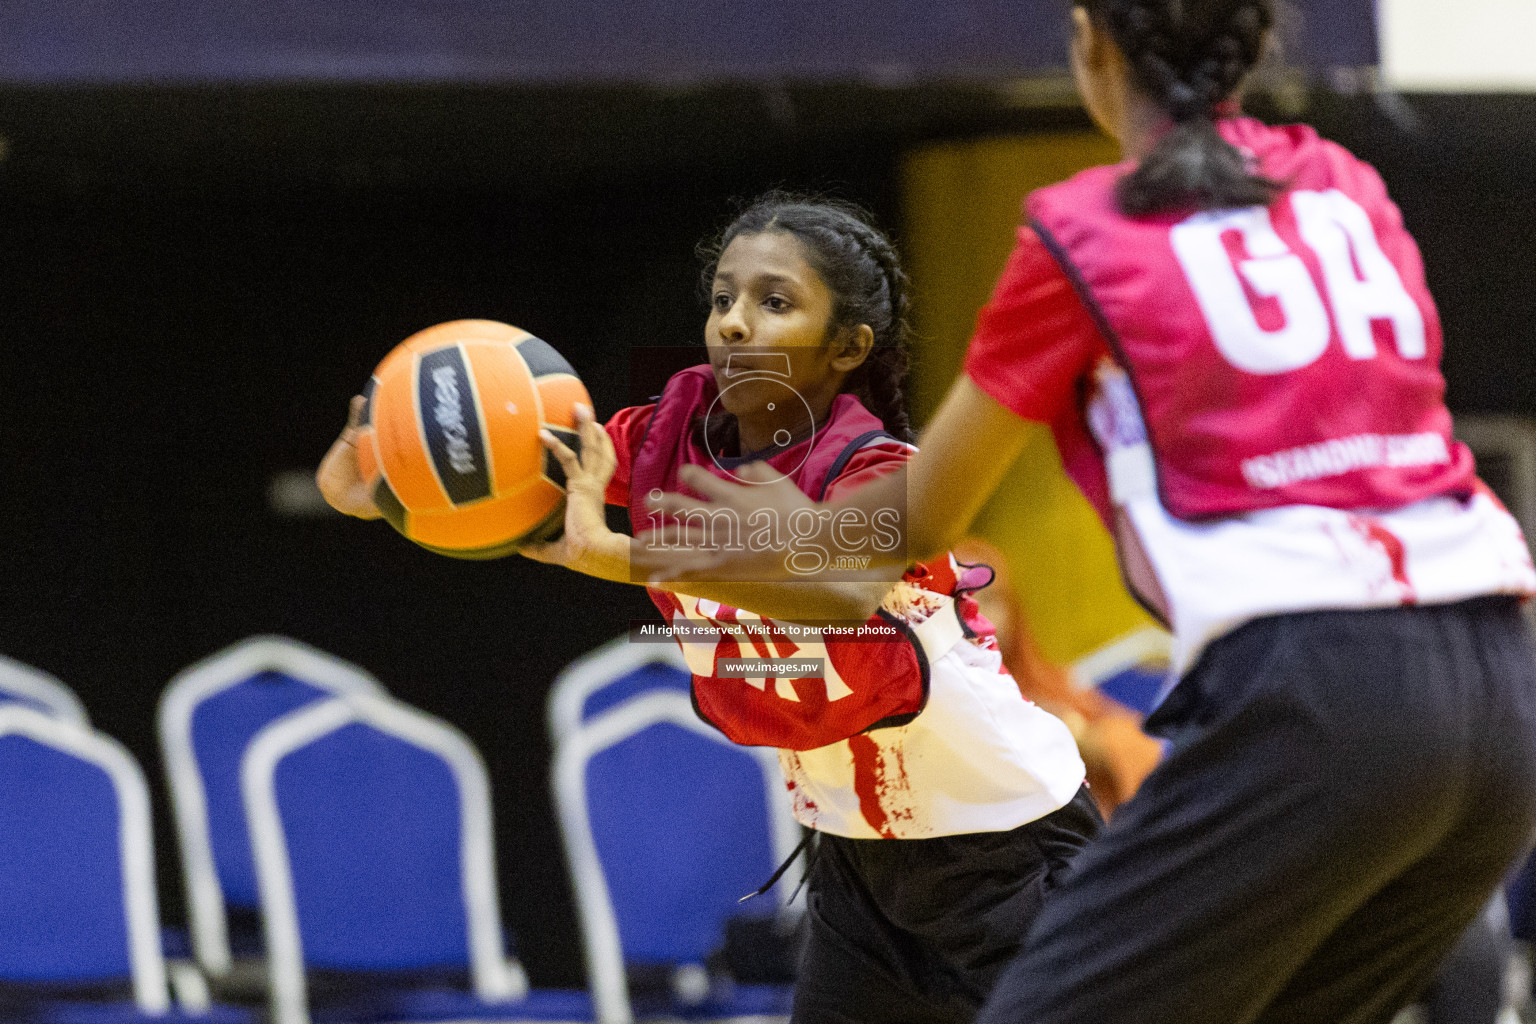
(1190, 56)
(860, 267)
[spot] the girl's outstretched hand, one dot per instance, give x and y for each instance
(339, 479)
(586, 481)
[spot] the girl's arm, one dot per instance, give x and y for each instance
(929, 504)
(588, 546)
(966, 451)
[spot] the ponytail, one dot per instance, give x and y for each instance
(1190, 57)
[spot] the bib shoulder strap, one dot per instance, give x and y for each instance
(848, 452)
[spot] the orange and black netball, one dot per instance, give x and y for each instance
(450, 437)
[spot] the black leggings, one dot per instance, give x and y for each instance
(915, 931)
(1345, 791)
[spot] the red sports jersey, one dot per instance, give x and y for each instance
(866, 683)
(978, 758)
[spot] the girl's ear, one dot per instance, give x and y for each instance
(851, 347)
(1100, 70)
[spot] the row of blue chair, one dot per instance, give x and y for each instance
(328, 831)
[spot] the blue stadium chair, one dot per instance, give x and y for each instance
(208, 714)
(1132, 670)
(371, 832)
(667, 824)
(23, 684)
(610, 675)
(79, 916)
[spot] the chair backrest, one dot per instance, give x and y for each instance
(208, 714)
(667, 825)
(371, 829)
(77, 901)
(1133, 669)
(610, 675)
(23, 684)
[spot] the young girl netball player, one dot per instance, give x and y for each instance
(946, 804)
(1231, 336)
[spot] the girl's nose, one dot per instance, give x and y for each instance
(733, 326)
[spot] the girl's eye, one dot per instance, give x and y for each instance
(722, 302)
(776, 303)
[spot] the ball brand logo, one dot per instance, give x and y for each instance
(449, 414)
(449, 420)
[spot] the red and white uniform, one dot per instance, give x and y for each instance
(921, 735)
(1251, 398)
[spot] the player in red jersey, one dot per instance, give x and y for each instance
(945, 804)
(1231, 337)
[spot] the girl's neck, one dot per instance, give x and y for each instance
(750, 453)
(1142, 123)
(792, 419)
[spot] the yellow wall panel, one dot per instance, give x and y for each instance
(962, 207)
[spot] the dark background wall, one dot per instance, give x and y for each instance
(195, 281)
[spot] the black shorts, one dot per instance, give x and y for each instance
(1344, 792)
(915, 931)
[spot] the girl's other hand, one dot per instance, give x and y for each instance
(339, 479)
(590, 472)
(586, 483)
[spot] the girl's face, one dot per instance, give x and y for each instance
(777, 361)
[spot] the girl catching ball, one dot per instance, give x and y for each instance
(945, 804)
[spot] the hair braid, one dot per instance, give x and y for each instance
(882, 379)
(1190, 57)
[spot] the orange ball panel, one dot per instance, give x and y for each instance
(510, 411)
(456, 332)
(559, 393)
(487, 523)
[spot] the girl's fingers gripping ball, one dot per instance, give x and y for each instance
(569, 463)
(597, 453)
(355, 413)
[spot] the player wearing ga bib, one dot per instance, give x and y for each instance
(1252, 400)
(920, 735)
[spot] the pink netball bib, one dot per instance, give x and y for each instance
(1280, 356)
